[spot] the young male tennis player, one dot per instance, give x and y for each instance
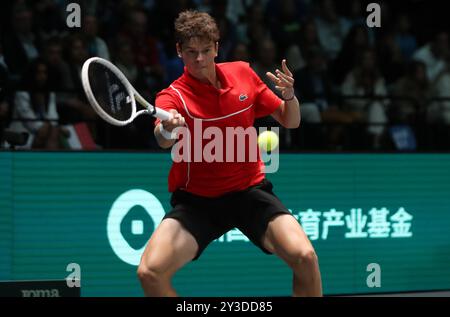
(211, 198)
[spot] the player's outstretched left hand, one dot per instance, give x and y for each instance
(284, 81)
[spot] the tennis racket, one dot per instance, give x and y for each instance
(112, 96)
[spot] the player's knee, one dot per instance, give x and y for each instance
(309, 257)
(149, 274)
(305, 258)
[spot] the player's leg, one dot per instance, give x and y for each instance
(264, 219)
(285, 238)
(169, 249)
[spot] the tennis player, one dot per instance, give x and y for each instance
(209, 199)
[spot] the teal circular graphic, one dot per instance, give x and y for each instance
(119, 210)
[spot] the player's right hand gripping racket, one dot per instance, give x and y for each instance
(112, 96)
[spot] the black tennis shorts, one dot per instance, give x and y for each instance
(208, 219)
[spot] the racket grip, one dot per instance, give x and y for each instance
(163, 115)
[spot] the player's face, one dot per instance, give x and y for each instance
(198, 55)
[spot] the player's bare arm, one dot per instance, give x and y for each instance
(288, 114)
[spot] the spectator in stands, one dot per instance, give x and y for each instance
(76, 107)
(147, 50)
(228, 36)
(266, 61)
(435, 55)
(48, 18)
(58, 68)
(4, 92)
(35, 104)
(319, 105)
(412, 92)
(237, 13)
(257, 29)
(240, 53)
(125, 62)
(408, 109)
(393, 66)
(96, 46)
(20, 46)
(285, 24)
(237, 10)
(331, 28)
(172, 64)
(144, 46)
(313, 85)
(403, 36)
(356, 41)
(308, 38)
(357, 16)
(313, 89)
(439, 110)
(365, 82)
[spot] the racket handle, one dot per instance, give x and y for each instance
(150, 109)
(163, 115)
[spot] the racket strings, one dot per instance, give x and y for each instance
(110, 92)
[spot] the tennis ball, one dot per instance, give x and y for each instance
(268, 141)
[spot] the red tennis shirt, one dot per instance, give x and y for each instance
(242, 98)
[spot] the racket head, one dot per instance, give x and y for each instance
(108, 91)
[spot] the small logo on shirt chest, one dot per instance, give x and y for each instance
(243, 97)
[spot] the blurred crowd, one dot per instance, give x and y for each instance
(360, 88)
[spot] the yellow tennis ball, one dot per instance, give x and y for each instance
(268, 141)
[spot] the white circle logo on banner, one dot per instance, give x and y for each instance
(120, 208)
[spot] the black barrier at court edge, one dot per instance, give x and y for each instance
(49, 288)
